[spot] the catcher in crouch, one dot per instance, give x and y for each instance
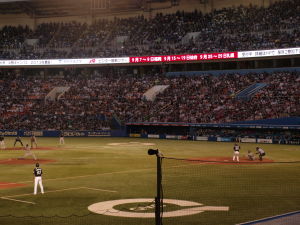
(250, 156)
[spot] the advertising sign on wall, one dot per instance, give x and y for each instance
(263, 140)
(248, 140)
(201, 138)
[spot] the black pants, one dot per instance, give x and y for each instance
(18, 141)
(261, 155)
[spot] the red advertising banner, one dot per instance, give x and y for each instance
(186, 57)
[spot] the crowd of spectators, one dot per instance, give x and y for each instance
(95, 97)
(228, 29)
(13, 37)
(209, 99)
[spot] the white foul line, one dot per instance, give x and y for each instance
(60, 190)
(16, 200)
(91, 175)
(82, 176)
(107, 173)
(97, 189)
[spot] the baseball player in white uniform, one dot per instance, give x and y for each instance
(38, 178)
(236, 152)
(28, 152)
(33, 141)
(61, 139)
(250, 156)
(260, 153)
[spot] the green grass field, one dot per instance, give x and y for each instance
(93, 170)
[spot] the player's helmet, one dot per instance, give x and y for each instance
(37, 164)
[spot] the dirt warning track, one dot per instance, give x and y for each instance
(4, 185)
(38, 148)
(227, 160)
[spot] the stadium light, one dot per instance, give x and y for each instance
(152, 151)
(155, 152)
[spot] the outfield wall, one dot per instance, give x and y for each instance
(123, 133)
(270, 131)
(278, 131)
(203, 138)
(218, 138)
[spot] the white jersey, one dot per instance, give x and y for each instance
(261, 151)
(236, 148)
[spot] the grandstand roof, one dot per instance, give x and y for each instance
(48, 8)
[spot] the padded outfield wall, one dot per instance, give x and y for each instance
(277, 131)
(271, 131)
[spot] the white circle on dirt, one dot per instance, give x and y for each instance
(107, 208)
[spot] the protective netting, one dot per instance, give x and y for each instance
(193, 191)
(226, 192)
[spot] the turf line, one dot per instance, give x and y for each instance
(11, 197)
(99, 174)
(60, 190)
(97, 189)
(16, 200)
(90, 175)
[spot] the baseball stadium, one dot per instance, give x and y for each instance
(150, 112)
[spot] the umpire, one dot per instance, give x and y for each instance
(18, 139)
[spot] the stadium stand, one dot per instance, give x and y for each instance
(93, 100)
(228, 29)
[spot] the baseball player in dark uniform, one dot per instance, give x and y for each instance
(38, 178)
(18, 139)
(2, 144)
